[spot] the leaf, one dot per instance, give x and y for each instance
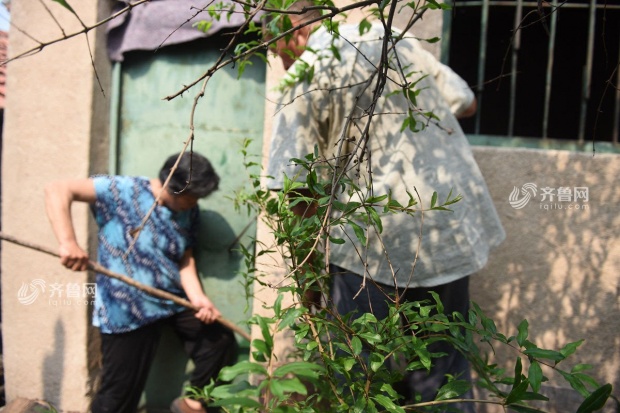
(376, 219)
(359, 232)
(376, 361)
(535, 375)
(534, 396)
(243, 367)
(587, 380)
(365, 319)
(364, 26)
(337, 205)
(335, 52)
(517, 393)
(523, 332)
(289, 317)
(356, 345)
(371, 337)
(581, 367)
(203, 25)
(438, 302)
(349, 363)
(338, 241)
(393, 204)
(389, 390)
(434, 199)
(66, 5)
(432, 4)
(471, 317)
(544, 354)
(262, 347)
(570, 348)
(596, 400)
(238, 389)
(412, 96)
(351, 206)
(405, 124)
(425, 357)
(453, 389)
(575, 383)
(518, 371)
(431, 115)
(237, 401)
(266, 333)
(376, 199)
(488, 324)
(277, 306)
(282, 386)
(388, 404)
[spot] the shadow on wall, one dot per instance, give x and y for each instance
(559, 266)
(52, 371)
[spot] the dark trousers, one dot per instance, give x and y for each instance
(372, 299)
(127, 358)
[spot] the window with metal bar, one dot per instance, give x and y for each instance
(540, 69)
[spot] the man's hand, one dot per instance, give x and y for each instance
(207, 312)
(73, 257)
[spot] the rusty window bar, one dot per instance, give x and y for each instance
(549, 74)
(516, 47)
(482, 57)
(617, 108)
(587, 73)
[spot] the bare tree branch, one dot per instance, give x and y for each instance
(84, 30)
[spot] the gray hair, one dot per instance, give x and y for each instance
(196, 169)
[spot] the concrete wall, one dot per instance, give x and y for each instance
(558, 268)
(54, 110)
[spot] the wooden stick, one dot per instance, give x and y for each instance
(142, 287)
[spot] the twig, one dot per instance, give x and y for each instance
(84, 30)
(135, 233)
(130, 281)
(53, 17)
(263, 45)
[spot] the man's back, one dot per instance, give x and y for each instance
(412, 145)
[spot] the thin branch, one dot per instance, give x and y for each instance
(84, 30)
(520, 27)
(608, 84)
(92, 62)
(181, 25)
(155, 292)
(135, 233)
(53, 17)
(265, 44)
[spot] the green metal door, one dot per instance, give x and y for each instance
(150, 129)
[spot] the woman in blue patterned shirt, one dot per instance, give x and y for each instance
(162, 257)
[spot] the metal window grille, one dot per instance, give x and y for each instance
(570, 51)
